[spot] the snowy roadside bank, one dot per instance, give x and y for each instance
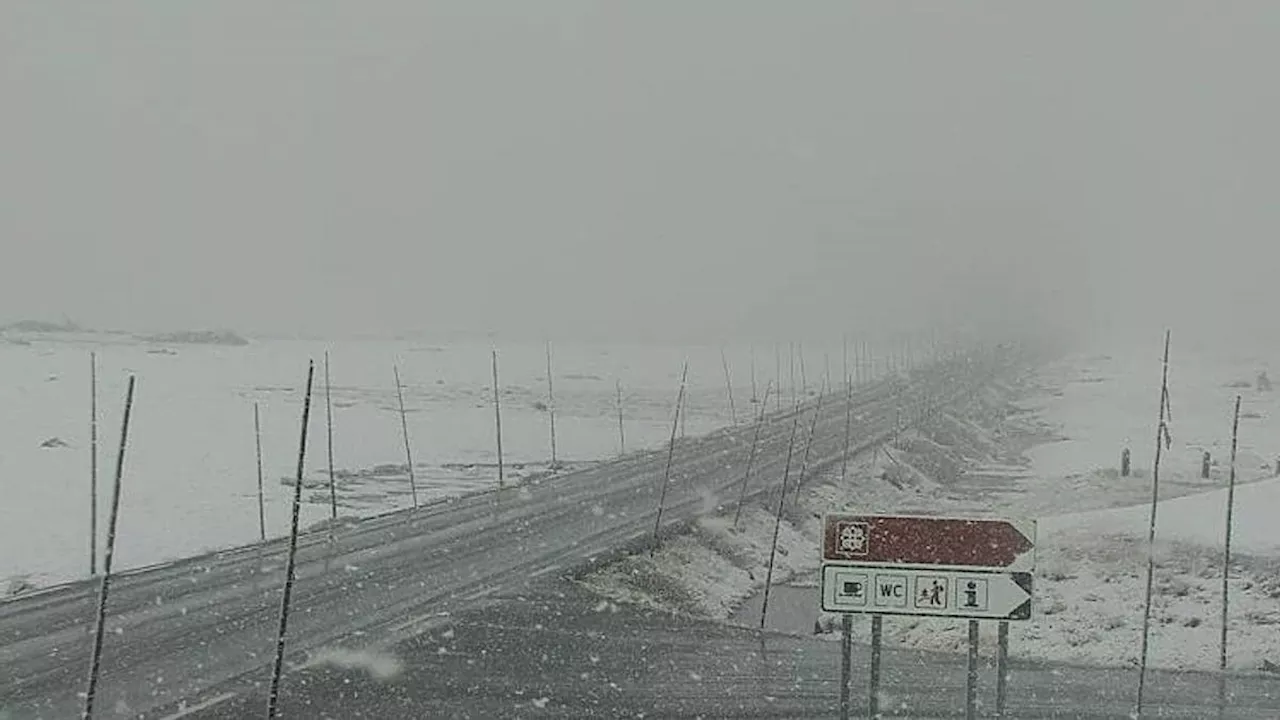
(1031, 448)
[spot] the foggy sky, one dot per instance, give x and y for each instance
(641, 170)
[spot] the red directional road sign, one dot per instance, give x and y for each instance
(932, 541)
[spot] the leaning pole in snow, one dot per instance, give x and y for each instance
(622, 436)
(273, 697)
(93, 464)
(671, 453)
(404, 431)
(1226, 563)
(497, 418)
(808, 446)
(728, 386)
(328, 418)
(751, 455)
(95, 658)
(1162, 435)
(848, 425)
(777, 521)
(257, 441)
(551, 408)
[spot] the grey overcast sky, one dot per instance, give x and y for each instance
(640, 169)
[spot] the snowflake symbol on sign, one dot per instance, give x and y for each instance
(851, 538)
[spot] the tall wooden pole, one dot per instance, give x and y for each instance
(1226, 562)
(99, 624)
(671, 453)
(728, 386)
(622, 437)
(551, 406)
(777, 521)
(93, 463)
(404, 431)
(328, 416)
(497, 417)
(751, 456)
(257, 441)
(1161, 435)
(273, 696)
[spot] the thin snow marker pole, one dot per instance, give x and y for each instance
(273, 697)
(1002, 668)
(622, 437)
(971, 681)
(404, 430)
(808, 446)
(846, 661)
(684, 416)
(848, 426)
(99, 623)
(257, 441)
(777, 369)
(551, 406)
(859, 371)
(728, 386)
(93, 464)
(777, 522)
(844, 356)
(751, 456)
(497, 417)
(671, 452)
(791, 361)
(1161, 436)
(1226, 562)
(328, 415)
(873, 691)
(754, 397)
(804, 380)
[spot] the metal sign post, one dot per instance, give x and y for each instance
(1002, 668)
(971, 568)
(846, 651)
(873, 701)
(971, 682)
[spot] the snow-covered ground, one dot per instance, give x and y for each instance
(190, 476)
(1049, 449)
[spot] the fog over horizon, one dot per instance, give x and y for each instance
(576, 169)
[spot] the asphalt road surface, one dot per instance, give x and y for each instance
(555, 651)
(179, 631)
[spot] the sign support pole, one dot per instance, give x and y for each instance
(873, 699)
(846, 650)
(971, 568)
(1002, 668)
(971, 684)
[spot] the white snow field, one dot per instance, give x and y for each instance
(1055, 457)
(189, 474)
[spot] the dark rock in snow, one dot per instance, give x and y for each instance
(54, 442)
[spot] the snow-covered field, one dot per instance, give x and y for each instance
(190, 475)
(1049, 449)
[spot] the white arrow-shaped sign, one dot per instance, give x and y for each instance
(939, 592)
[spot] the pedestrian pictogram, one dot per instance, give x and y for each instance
(931, 592)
